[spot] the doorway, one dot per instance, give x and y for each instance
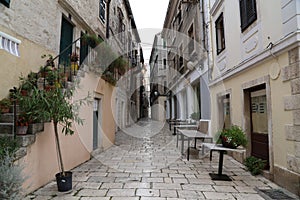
(97, 124)
(259, 123)
(66, 38)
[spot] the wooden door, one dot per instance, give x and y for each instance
(259, 124)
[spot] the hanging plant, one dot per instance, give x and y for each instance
(91, 40)
(109, 77)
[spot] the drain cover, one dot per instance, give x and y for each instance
(275, 194)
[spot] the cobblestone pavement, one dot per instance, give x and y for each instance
(144, 164)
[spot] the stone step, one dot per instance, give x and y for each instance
(6, 118)
(6, 129)
(22, 151)
(26, 140)
(35, 128)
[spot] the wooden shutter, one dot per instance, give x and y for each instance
(243, 14)
(251, 11)
(247, 13)
(5, 2)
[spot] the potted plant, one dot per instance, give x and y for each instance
(91, 40)
(232, 137)
(109, 77)
(255, 165)
(56, 105)
(22, 125)
(195, 116)
(74, 57)
(5, 104)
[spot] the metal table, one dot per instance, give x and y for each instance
(221, 150)
(191, 134)
(184, 126)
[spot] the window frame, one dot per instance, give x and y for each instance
(5, 3)
(248, 13)
(102, 10)
(220, 34)
(191, 42)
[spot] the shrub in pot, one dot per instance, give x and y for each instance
(232, 137)
(56, 106)
(255, 165)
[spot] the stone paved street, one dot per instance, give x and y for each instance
(145, 164)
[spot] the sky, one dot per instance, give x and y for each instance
(149, 16)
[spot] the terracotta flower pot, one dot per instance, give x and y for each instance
(21, 130)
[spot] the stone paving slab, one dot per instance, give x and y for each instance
(146, 165)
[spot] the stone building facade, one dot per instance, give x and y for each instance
(251, 72)
(185, 35)
(254, 80)
(158, 78)
(34, 28)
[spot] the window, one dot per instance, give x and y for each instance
(9, 44)
(248, 13)
(165, 63)
(220, 37)
(225, 118)
(121, 26)
(102, 7)
(5, 2)
(191, 39)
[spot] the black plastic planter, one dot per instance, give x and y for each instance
(64, 183)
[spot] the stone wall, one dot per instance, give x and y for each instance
(291, 176)
(40, 25)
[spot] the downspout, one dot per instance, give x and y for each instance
(107, 18)
(203, 24)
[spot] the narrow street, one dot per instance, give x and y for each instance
(145, 164)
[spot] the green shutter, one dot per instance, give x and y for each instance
(5, 2)
(84, 50)
(66, 38)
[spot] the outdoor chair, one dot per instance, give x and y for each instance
(204, 126)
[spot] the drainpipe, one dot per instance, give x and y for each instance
(107, 18)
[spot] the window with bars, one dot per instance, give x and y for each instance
(5, 2)
(220, 36)
(9, 44)
(102, 9)
(248, 13)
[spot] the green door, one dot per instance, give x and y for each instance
(84, 50)
(66, 38)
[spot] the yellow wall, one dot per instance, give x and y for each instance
(97, 88)
(280, 117)
(40, 164)
(12, 67)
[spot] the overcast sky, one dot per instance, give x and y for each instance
(149, 16)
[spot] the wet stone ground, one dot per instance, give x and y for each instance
(144, 164)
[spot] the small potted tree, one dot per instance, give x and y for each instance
(55, 105)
